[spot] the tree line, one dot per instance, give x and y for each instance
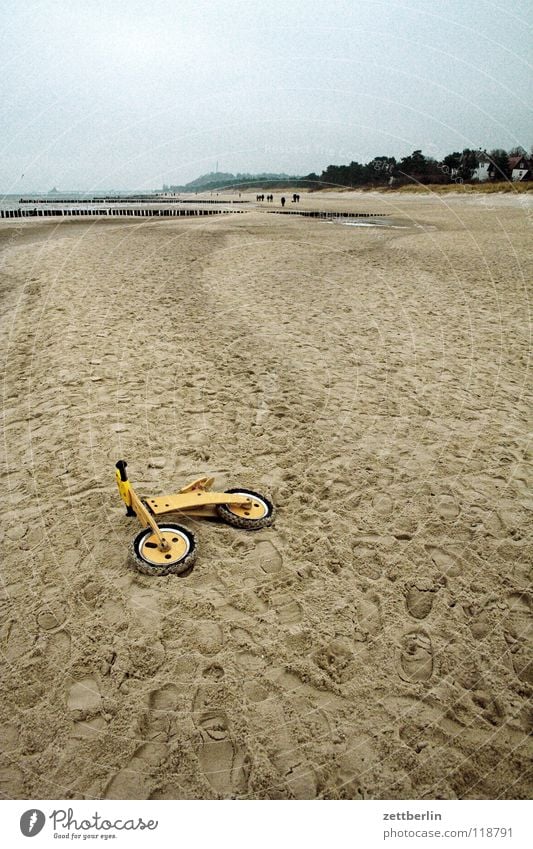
(456, 167)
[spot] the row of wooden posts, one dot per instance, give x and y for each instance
(145, 212)
(134, 211)
(79, 201)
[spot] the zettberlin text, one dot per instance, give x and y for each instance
(407, 815)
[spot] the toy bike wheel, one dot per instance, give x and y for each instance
(259, 515)
(146, 557)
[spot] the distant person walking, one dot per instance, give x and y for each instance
(283, 201)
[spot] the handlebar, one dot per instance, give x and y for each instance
(121, 466)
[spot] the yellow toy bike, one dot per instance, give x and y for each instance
(166, 548)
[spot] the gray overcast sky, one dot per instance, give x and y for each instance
(133, 94)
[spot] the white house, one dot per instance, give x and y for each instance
(482, 172)
(520, 168)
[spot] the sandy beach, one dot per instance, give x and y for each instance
(375, 643)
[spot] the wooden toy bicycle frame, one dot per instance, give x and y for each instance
(195, 499)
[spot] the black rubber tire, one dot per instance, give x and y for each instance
(178, 567)
(241, 521)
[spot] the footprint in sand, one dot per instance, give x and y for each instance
(419, 599)
(489, 707)
(520, 618)
(58, 648)
(250, 663)
(128, 783)
(18, 641)
(285, 754)
(518, 632)
(484, 521)
(84, 696)
(255, 692)
(444, 561)
(206, 695)
(446, 507)
(164, 698)
(288, 609)
(133, 781)
(356, 766)
(416, 657)
(91, 729)
(198, 429)
(224, 765)
(144, 604)
(243, 637)
(251, 657)
(12, 782)
(92, 592)
(267, 556)
(205, 635)
(383, 504)
(336, 659)
(412, 732)
(214, 672)
(9, 737)
(51, 616)
(369, 613)
(482, 616)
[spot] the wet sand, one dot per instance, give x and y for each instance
(376, 641)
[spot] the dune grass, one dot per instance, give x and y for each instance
(466, 188)
(505, 186)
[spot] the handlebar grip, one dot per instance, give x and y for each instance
(121, 466)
